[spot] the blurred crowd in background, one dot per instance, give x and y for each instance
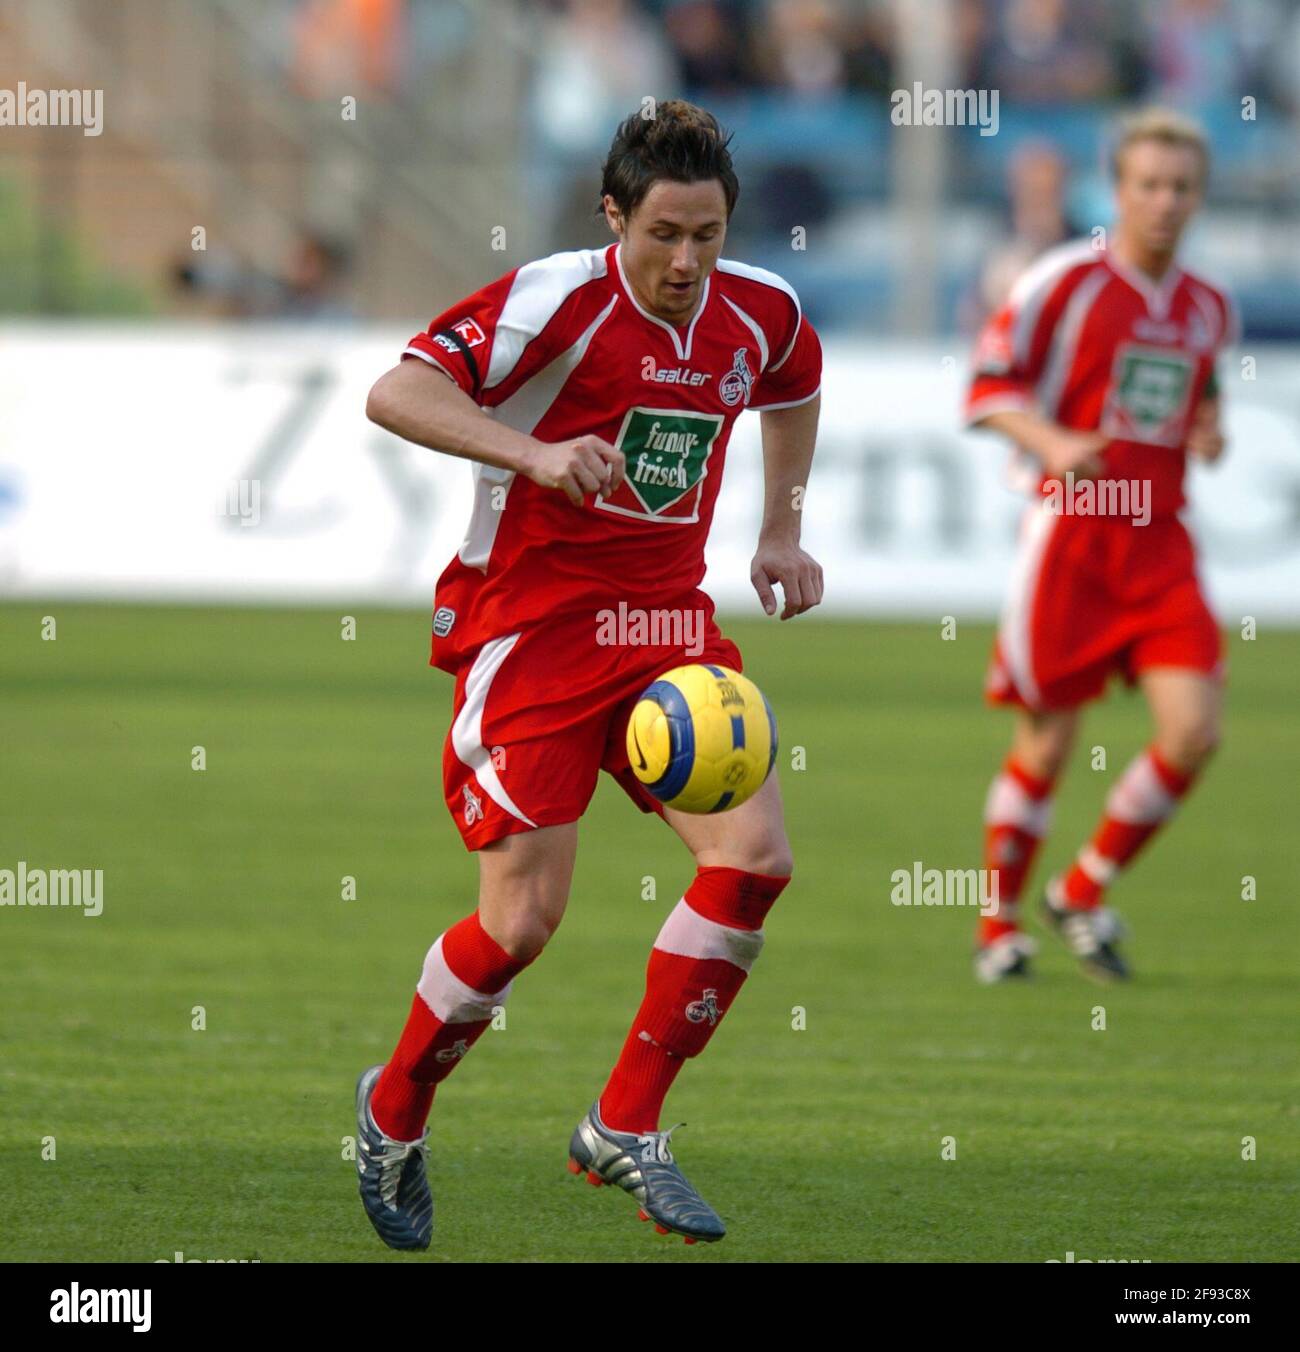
(478, 112)
(1037, 52)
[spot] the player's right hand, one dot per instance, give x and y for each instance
(583, 465)
(1078, 452)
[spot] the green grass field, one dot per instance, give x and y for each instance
(222, 890)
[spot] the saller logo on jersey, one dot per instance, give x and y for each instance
(667, 451)
(443, 618)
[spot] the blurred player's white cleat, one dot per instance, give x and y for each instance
(1090, 935)
(1006, 957)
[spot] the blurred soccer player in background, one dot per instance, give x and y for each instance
(1102, 368)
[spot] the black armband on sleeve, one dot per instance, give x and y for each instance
(463, 347)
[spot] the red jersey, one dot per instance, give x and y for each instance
(1094, 345)
(561, 348)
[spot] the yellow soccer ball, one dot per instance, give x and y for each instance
(702, 738)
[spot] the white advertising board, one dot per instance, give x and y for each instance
(236, 463)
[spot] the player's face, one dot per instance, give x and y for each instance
(1159, 188)
(670, 244)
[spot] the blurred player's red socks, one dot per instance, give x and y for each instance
(1017, 813)
(699, 962)
(1141, 801)
(466, 973)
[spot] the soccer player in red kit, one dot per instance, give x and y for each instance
(1101, 367)
(595, 392)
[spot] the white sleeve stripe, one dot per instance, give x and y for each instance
(1065, 340)
(536, 294)
(1034, 286)
(1006, 401)
(753, 326)
(1215, 318)
(766, 278)
(790, 348)
(792, 403)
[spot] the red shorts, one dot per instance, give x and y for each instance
(1092, 595)
(538, 713)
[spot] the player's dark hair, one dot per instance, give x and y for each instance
(673, 140)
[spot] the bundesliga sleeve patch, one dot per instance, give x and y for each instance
(467, 330)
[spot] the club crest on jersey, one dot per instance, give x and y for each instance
(738, 382)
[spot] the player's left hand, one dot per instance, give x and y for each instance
(798, 573)
(1205, 438)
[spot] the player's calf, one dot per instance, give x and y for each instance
(1017, 815)
(1141, 801)
(466, 978)
(701, 958)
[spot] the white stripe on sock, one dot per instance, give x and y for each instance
(1139, 796)
(1008, 804)
(691, 935)
(449, 997)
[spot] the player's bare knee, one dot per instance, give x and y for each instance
(523, 934)
(1190, 747)
(776, 861)
(1042, 743)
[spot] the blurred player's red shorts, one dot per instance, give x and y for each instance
(539, 713)
(1092, 595)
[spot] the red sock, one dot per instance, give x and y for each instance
(1141, 801)
(466, 974)
(1017, 813)
(697, 966)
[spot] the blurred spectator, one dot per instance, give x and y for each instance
(800, 46)
(1043, 51)
(1036, 183)
(711, 44)
(1194, 52)
(312, 286)
(598, 60)
(972, 22)
(347, 46)
(867, 38)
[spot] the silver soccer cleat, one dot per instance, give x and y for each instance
(393, 1180)
(642, 1164)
